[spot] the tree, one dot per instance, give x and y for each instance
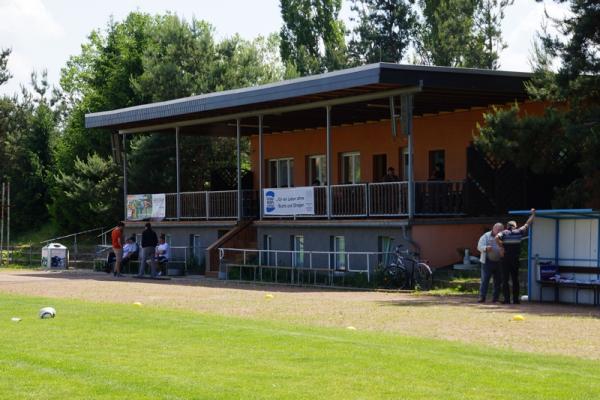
(87, 197)
(384, 31)
(4, 72)
(567, 137)
(312, 36)
(461, 33)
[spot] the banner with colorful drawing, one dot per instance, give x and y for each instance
(145, 206)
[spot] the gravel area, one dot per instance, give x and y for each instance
(549, 329)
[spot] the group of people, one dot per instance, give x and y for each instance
(155, 251)
(500, 249)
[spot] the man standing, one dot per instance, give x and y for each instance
(491, 253)
(510, 241)
(117, 245)
(149, 242)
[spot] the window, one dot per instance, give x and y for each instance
(317, 170)
(437, 165)
(350, 168)
(281, 172)
(384, 247)
(379, 167)
(339, 256)
(268, 257)
(298, 248)
(196, 249)
(403, 170)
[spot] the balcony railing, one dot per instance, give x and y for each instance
(389, 199)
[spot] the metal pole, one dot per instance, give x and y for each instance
(328, 161)
(2, 222)
(260, 165)
(177, 172)
(8, 222)
(125, 176)
(239, 171)
(407, 127)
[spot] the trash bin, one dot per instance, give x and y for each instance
(55, 256)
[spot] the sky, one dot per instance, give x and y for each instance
(44, 33)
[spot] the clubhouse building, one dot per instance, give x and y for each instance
(320, 191)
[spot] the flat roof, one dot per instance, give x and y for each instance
(569, 213)
(440, 89)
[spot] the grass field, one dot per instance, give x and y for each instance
(93, 350)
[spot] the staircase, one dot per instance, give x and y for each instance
(242, 236)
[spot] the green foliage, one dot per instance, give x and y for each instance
(88, 197)
(384, 30)
(4, 72)
(312, 36)
(566, 138)
(461, 33)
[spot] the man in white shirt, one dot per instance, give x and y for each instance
(163, 253)
(491, 254)
(130, 251)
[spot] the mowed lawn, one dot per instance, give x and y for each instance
(93, 350)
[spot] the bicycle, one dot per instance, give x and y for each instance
(407, 272)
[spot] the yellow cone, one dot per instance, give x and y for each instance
(268, 296)
(518, 317)
(137, 303)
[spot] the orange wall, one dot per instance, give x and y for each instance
(451, 132)
(439, 243)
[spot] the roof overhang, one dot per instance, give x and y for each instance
(573, 213)
(358, 94)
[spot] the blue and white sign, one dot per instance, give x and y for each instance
(289, 201)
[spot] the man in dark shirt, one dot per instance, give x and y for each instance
(391, 175)
(510, 240)
(149, 242)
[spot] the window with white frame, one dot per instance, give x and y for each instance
(350, 171)
(338, 247)
(298, 251)
(281, 172)
(317, 170)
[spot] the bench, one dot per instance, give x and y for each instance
(569, 275)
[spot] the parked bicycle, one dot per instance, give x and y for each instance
(406, 271)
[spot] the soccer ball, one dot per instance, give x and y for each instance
(47, 312)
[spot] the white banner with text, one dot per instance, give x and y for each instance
(289, 201)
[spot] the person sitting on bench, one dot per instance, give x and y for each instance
(130, 251)
(163, 254)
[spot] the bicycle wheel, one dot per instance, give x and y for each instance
(394, 277)
(423, 277)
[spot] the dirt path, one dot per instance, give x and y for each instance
(551, 329)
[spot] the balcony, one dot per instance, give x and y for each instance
(432, 198)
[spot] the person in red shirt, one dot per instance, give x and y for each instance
(117, 245)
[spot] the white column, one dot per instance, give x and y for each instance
(260, 165)
(125, 176)
(328, 161)
(407, 127)
(178, 173)
(239, 170)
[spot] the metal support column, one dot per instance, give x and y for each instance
(260, 165)
(407, 128)
(9, 253)
(2, 222)
(239, 170)
(328, 161)
(124, 158)
(178, 173)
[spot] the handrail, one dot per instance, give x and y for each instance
(73, 234)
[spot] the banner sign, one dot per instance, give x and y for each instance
(289, 201)
(145, 206)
